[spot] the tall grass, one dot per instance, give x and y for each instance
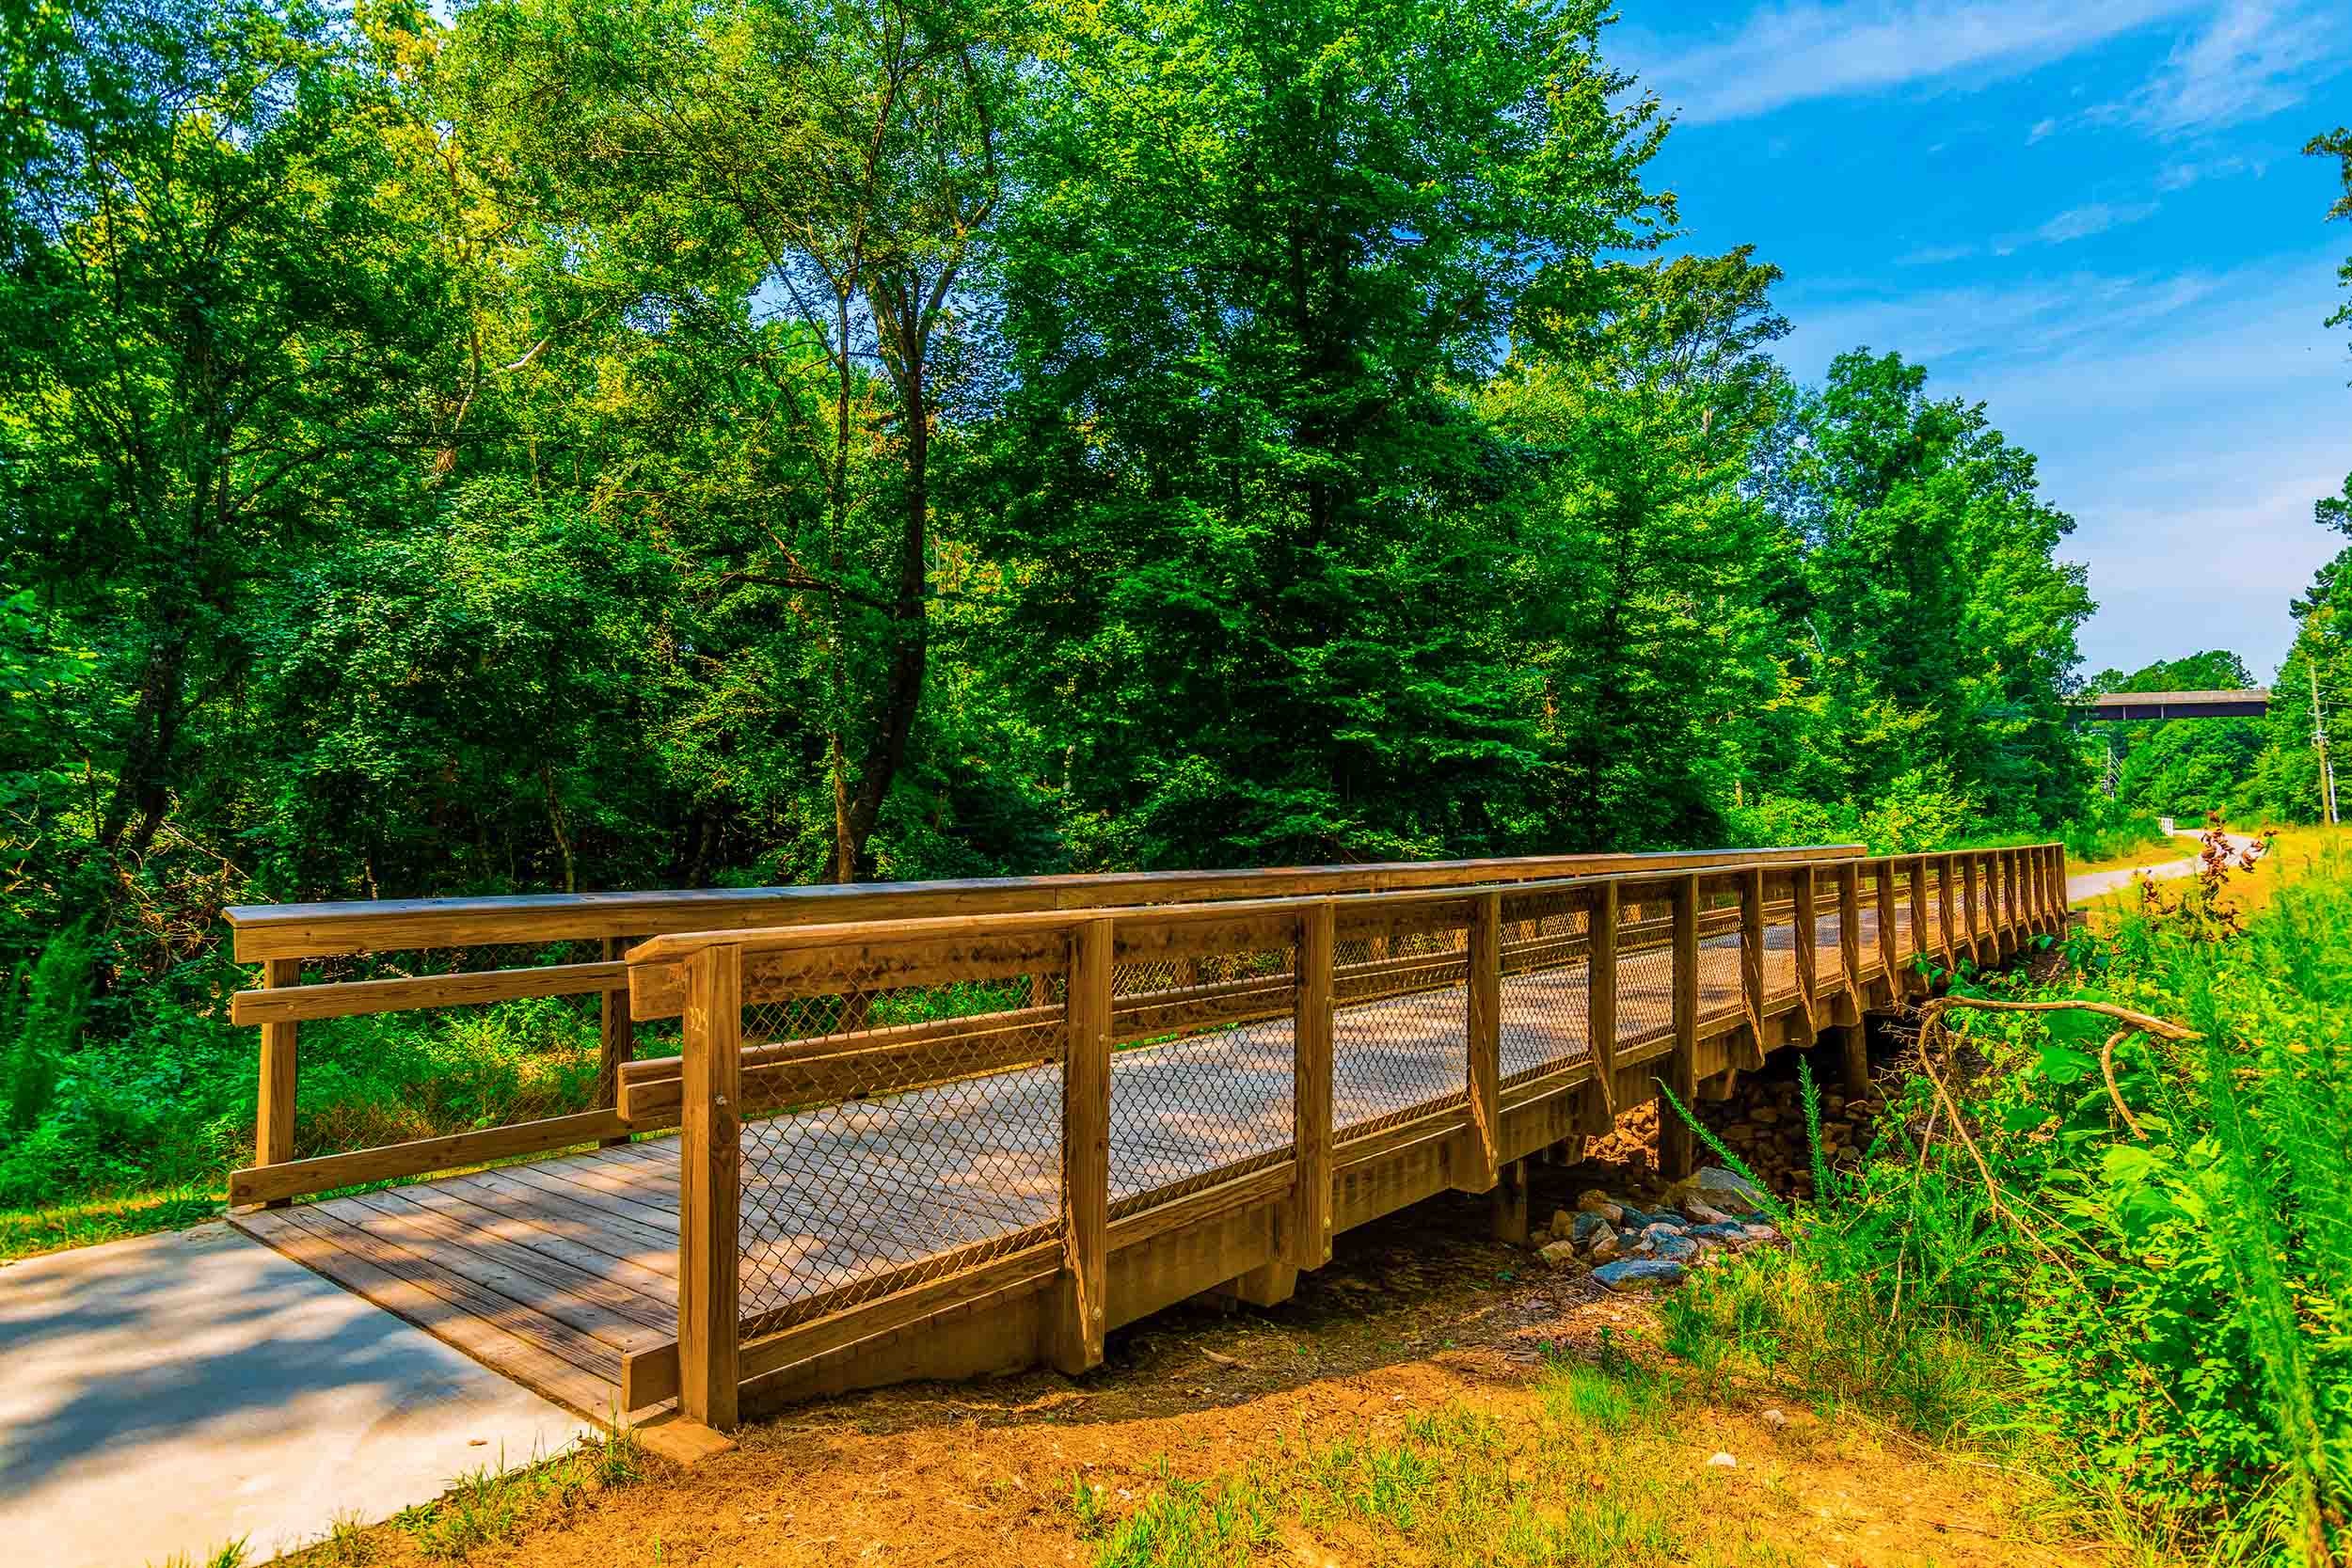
(2158, 1303)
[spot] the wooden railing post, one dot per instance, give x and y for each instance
(1484, 1019)
(1850, 929)
(1972, 871)
(1673, 1134)
(2057, 856)
(1890, 946)
(1946, 914)
(1081, 1311)
(710, 1186)
(2011, 915)
(1805, 929)
(1751, 953)
(274, 1117)
(617, 1034)
(1307, 1243)
(1601, 992)
(1921, 949)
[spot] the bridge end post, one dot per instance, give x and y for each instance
(1674, 1149)
(710, 1285)
(1075, 1337)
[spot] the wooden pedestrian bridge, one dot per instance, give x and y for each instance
(840, 1136)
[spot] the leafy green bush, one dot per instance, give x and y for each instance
(2133, 1256)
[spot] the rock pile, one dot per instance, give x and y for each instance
(1627, 1247)
(1764, 1124)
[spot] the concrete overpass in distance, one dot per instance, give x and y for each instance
(2140, 707)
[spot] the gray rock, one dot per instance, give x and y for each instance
(1585, 1228)
(1639, 1274)
(1605, 1247)
(1562, 1224)
(1718, 1189)
(1724, 1231)
(1700, 1213)
(1681, 1250)
(1562, 1255)
(1595, 1201)
(1760, 1233)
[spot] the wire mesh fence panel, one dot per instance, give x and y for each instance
(1904, 945)
(1938, 937)
(1202, 1077)
(1720, 992)
(1400, 1019)
(899, 1122)
(1829, 937)
(1646, 965)
(1545, 980)
(1780, 934)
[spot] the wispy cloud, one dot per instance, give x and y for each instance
(1788, 53)
(1935, 255)
(2253, 59)
(2080, 223)
(2179, 176)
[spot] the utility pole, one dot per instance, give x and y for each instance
(2319, 739)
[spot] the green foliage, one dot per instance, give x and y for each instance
(2158, 1308)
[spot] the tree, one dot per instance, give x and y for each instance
(1944, 625)
(214, 313)
(838, 162)
(1264, 255)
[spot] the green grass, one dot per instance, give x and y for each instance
(1583, 1477)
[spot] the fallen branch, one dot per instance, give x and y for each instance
(2164, 1029)
(1931, 1012)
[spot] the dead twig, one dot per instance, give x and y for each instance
(2164, 1029)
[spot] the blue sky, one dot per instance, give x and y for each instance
(2094, 217)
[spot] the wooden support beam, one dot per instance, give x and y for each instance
(709, 1294)
(1673, 1134)
(1853, 1054)
(274, 1119)
(1307, 1238)
(1080, 1313)
(1601, 992)
(1485, 1018)
(1267, 1285)
(1508, 1215)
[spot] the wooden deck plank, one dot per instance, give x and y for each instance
(535, 1284)
(483, 1327)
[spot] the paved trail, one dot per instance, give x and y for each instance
(172, 1393)
(2084, 886)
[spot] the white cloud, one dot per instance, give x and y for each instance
(2253, 59)
(2080, 223)
(1788, 53)
(2179, 176)
(2040, 127)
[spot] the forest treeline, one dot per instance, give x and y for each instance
(591, 445)
(597, 445)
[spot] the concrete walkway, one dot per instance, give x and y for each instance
(2084, 886)
(173, 1393)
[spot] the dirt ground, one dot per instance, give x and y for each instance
(1415, 1313)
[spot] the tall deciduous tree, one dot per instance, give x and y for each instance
(1264, 254)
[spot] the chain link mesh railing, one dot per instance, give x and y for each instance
(1780, 936)
(1400, 1022)
(1201, 1076)
(1646, 964)
(1547, 980)
(894, 1131)
(1719, 984)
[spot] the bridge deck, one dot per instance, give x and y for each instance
(547, 1270)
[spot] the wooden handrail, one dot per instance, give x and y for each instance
(403, 924)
